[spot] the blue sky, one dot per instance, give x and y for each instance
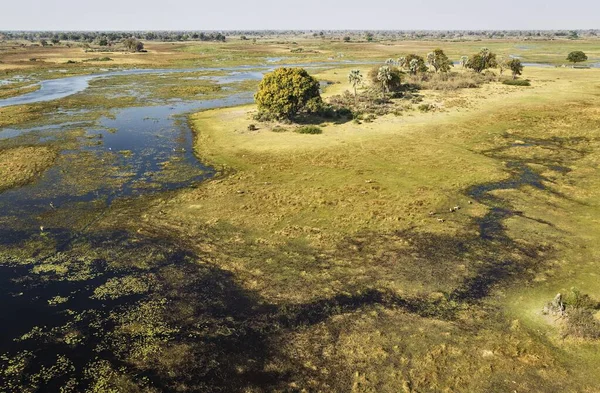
(297, 14)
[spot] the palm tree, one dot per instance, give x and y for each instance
(384, 75)
(413, 66)
(502, 64)
(431, 59)
(463, 61)
(402, 62)
(485, 54)
(355, 78)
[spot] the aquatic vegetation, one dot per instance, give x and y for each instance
(21, 165)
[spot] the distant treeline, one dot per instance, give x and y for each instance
(109, 36)
(170, 36)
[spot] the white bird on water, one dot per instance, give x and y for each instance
(41, 228)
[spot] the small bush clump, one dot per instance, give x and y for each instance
(582, 323)
(426, 107)
(279, 129)
(99, 59)
(309, 130)
(578, 310)
(448, 81)
(252, 127)
(517, 82)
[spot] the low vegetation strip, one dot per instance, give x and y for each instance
(21, 165)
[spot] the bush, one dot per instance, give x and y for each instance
(426, 107)
(279, 129)
(577, 57)
(581, 323)
(482, 61)
(394, 84)
(286, 92)
(415, 63)
(99, 59)
(309, 130)
(449, 81)
(369, 101)
(252, 127)
(517, 82)
(133, 45)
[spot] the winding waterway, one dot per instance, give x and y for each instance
(132, 151)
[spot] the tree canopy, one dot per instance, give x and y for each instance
(133, 45)
(414, 63)
(439, 61)
(286, 92)
(515, 66)
(577, 57)
(388, 78)
(482, 61)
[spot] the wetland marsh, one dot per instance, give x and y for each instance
(152, 241)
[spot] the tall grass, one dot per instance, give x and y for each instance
(450, 80)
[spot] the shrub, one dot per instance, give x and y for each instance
(369, 101)
(515, 67)
(286, 92)
(393, 85)
(369, 118)
(516, 82)
(426, 107)
(414, 63)
(439, 61)
(99, 59)
(581, 323)
(309, 130)
(133, 45)
(279, 129)
(577, 57)
(482, 61)
(450, 81)
(252, 127)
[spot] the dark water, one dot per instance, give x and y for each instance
(138, 139)
(132, 146)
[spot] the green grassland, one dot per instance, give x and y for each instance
(411, 253)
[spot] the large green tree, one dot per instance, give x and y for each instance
(286, 92)
(577, 57)
(482, 61)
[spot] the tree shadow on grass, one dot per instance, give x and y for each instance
(160, 319)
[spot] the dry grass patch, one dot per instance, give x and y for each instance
(21, 165)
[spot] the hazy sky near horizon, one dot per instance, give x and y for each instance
(298, 14)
